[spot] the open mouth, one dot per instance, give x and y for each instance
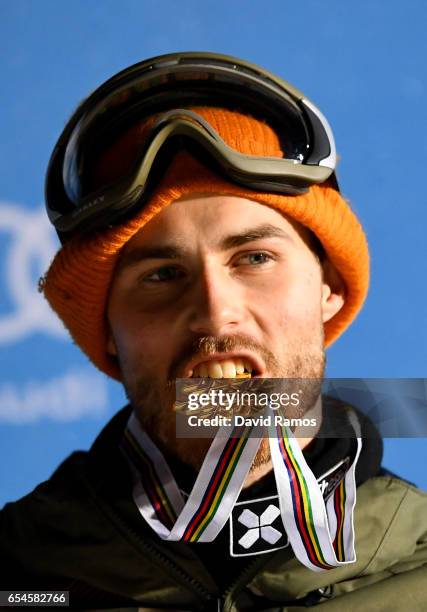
(233, 367)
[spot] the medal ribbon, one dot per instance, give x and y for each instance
(214, 493)
(321, 535)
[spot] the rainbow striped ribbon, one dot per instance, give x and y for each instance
(214, 493)
(321, 535)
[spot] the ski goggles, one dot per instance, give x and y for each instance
(166, 87)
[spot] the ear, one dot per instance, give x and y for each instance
(333, 291)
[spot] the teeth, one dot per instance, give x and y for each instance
(227, 368)
(240, 368)
(214, 369)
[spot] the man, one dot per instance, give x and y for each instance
(204, 237)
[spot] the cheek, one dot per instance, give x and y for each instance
(293, 307)
(140, 338)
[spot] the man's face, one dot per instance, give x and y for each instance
(210, 284)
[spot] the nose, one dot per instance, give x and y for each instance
(216, 303)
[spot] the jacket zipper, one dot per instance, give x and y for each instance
(196, 587)
(222, 604)
(224, 601)
(188, 581)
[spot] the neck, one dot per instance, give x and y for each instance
(256, 473)
(259, 471)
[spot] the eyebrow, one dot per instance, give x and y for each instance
(257, 233)
(174, 251)
(139, 254)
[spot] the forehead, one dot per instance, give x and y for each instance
(210, 218)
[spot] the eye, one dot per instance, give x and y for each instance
(163, 275)
(257, 258)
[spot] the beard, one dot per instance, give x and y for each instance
(154, 403)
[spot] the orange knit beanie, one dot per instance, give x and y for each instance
(78, 280)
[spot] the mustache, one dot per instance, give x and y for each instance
(205, 346)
